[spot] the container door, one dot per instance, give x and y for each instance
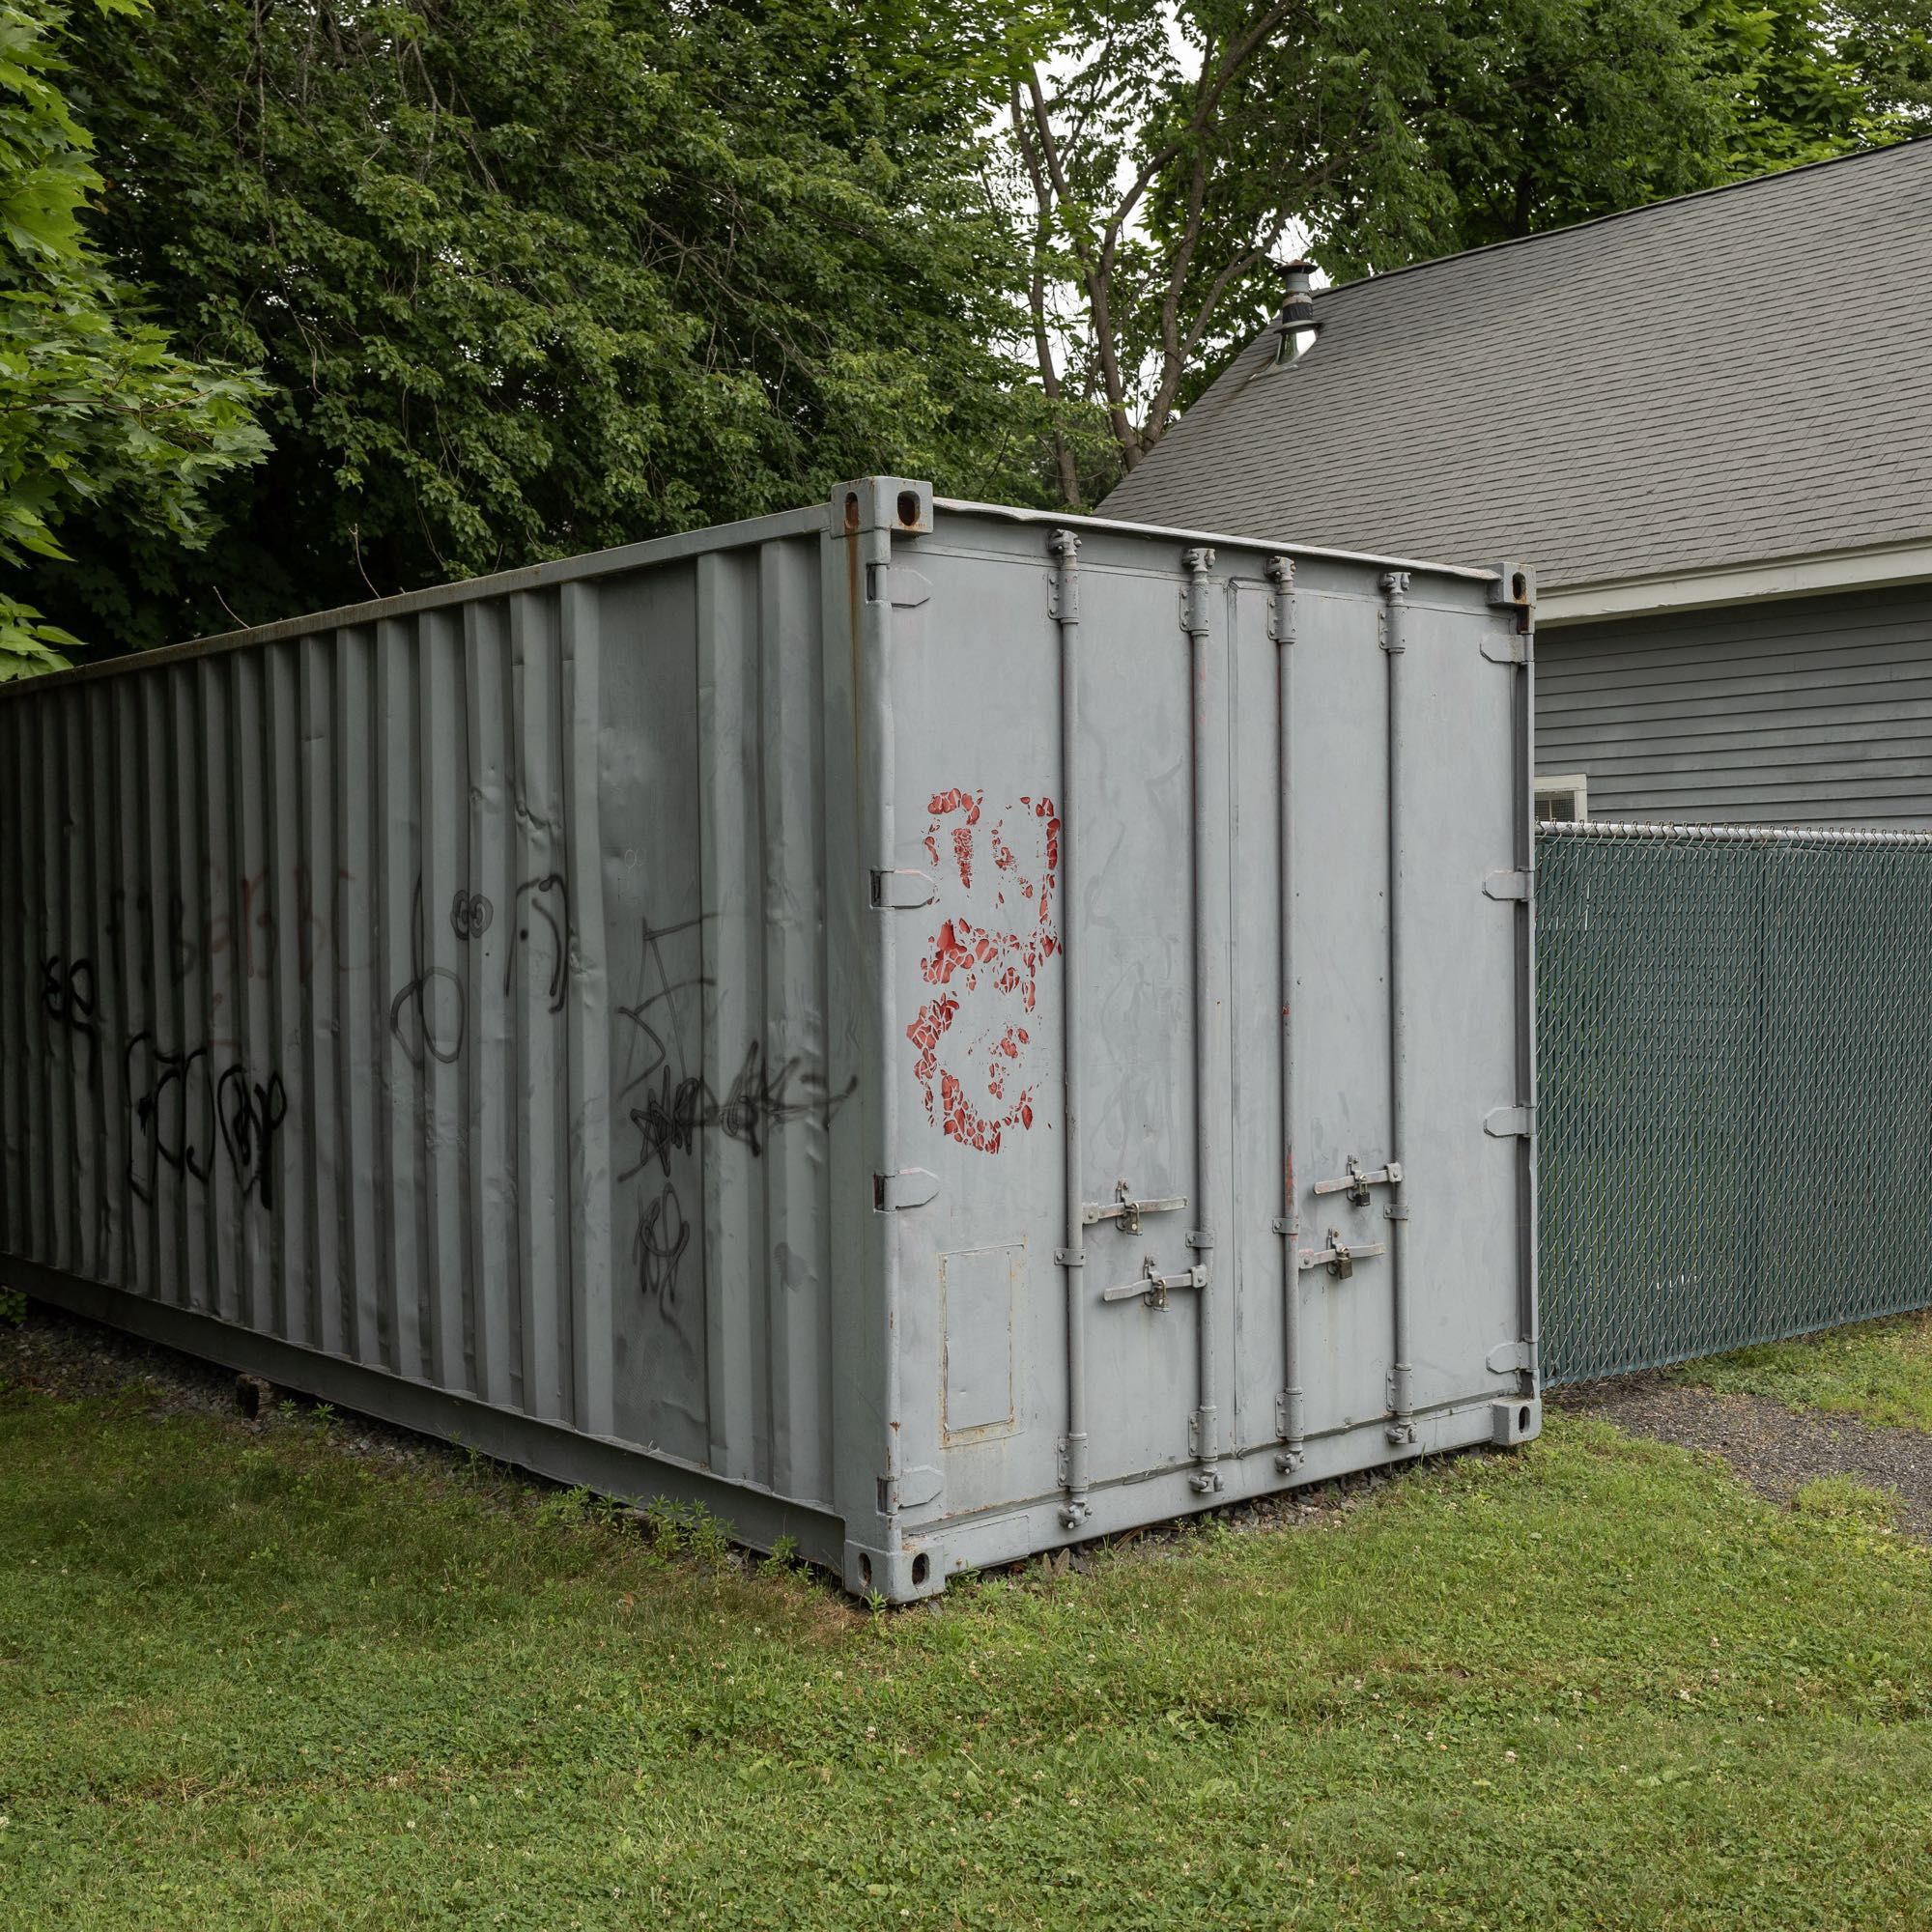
(981, 986)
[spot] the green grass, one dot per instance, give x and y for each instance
(1880, 1371)
(247, 1679)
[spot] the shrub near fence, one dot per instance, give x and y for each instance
(1734, 1035)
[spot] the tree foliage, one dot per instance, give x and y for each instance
(94, 407)
(1167, 155)
(528, 278)
(531, 277)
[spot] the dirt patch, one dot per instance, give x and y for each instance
(1777, 1450)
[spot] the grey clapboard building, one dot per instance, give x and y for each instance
(1707, 422)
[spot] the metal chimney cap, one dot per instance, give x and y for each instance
(1297, 285)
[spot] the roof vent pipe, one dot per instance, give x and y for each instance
(1295, 327)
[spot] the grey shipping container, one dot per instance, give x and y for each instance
(936, 1030)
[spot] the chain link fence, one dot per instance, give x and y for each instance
(1735, 1068)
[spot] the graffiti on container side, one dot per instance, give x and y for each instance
(670, 1102)
(256, 929)
(662, 1234)
(186, 1114)
(974, 1038)
(67, 994)
(429, 1016)
(674, 1110)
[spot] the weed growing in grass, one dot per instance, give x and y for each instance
(1845, 1499)
(565, 1509)
(784, 1558)
(13, 1308)
(687, 1529)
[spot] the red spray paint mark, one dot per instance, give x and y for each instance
(972, 1040)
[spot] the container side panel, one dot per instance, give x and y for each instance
(489, 1066)
(74, 984)
(587, 1011)
(727, 1113)
(446, 916)
(221, 1026)
(797, 1263)
(15, 936)
(53, 860)
(363, 1012)
(402, 942)
(253, 1091)
(283, 959)
(20, 1037)
(852, 996)
(537, 979)
(651, 807)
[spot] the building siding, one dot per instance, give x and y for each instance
(1815, 711)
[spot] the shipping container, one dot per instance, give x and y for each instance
(935, 1030)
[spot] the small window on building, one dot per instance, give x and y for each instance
(1564, 799)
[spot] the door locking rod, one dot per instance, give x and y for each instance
(1125, 1209)
(1153, 1286)
(1338, 1257)
(1358, 1182)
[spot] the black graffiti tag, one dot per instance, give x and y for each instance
(183, 1111)
(435, 1034)
(250, 1112)
(661, 1238)
(67, 993)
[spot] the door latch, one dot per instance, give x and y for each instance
(1153, 1286)
(1358, 1182)
(1338, 1257)
(1125, 1209)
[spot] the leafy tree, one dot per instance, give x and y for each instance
(1166, 155)
(1814, 79)
(531, 277)
(95, 411)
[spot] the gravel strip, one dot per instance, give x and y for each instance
(69, 1358)
(1777, 1450)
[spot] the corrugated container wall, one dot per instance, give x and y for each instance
(878, 1022)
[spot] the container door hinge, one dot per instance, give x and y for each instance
(893, 582)
(1202, 1429)
(1196, 563)
(901, 889)
(1510, 1123)
(1507, 886)
(1514, 589)
(1153, 1286)
(909, 1188)
(1358, 1179)
(1508, 1357)
(1339, 1257)
(1281, 606)
(1128, 1210)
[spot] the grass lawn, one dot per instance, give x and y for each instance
(248, 1678)
(1880, 1371)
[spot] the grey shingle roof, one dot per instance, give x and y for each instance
(1729, 378)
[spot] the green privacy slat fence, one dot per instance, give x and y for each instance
(1735, 1064)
